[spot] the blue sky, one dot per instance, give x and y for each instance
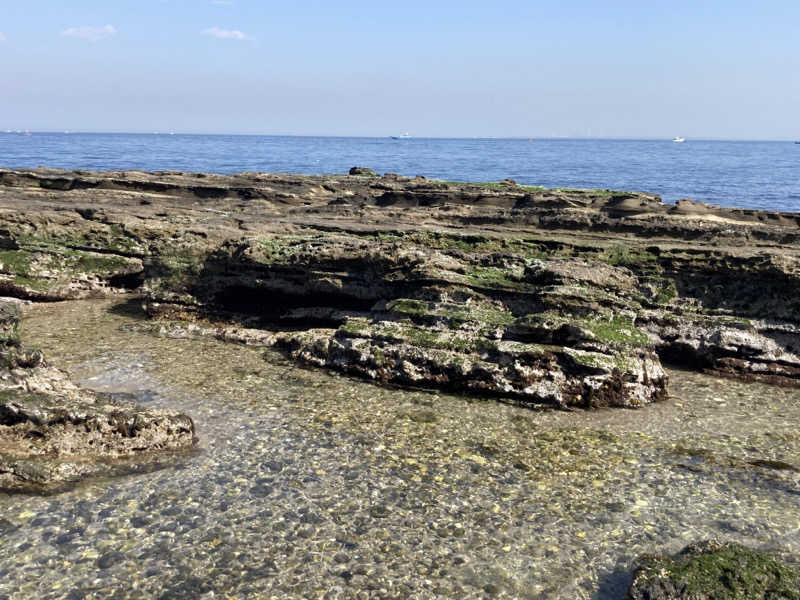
(616, 68)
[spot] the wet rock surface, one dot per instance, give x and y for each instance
(54, 433)
(715, 570)
(413, 315)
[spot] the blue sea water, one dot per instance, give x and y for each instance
(762, 175)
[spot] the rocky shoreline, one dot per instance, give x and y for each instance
(565, 297)
(560, 298)
(571, 298)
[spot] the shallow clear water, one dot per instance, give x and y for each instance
(308, 484)
(745, 174)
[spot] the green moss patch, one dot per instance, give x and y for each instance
(469, 243)
(421, 337)
(595, 193)
(630, 256)
(723, 571)
(496, 186)
(619, 328)
(270, 250)
(667, 293)
(495, 277)
(409, 307)
(101, 264)
(616, 328)
(355, 327)
(15, 262)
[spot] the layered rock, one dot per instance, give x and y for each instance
(569, 297)
(57, 273)
(560, 331)
(54, 433)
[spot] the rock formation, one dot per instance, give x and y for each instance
(715, 570)
(566, 297)
(54, 433)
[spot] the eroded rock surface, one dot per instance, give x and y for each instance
(54, 433)
(568, 297)
(414, 315)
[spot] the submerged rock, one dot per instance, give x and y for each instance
(715, 571)
(54, 433)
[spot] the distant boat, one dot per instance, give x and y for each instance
(678, 140)
(404, 136)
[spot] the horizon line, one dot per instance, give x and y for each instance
(17, 131)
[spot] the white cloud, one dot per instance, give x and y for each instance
(93, 34)
(226, 34)
(2, 38)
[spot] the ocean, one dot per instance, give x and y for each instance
(764, 175)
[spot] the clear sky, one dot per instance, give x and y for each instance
(604, 68)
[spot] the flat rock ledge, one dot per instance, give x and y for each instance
(712, 570)
(54, 434)
(564, 297)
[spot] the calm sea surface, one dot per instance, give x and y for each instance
(747, 174)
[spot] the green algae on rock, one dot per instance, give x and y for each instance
(412, 315)
(713, 570)
(467, 275)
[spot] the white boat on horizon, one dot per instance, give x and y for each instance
(678, 140)
(403, 136)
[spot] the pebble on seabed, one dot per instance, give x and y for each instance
(290, 497)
